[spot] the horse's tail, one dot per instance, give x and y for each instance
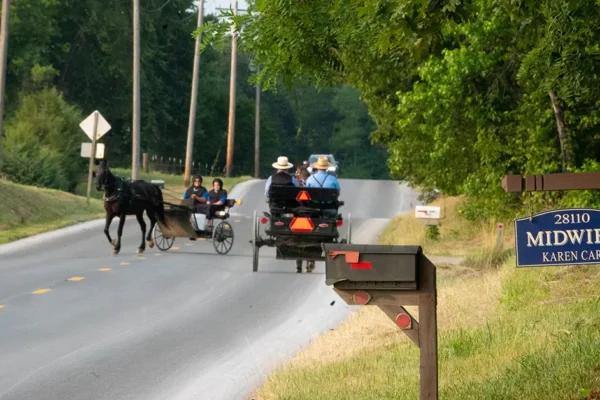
(160, 208)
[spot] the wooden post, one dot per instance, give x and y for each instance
(3, 52)
(92, 157)
(232, 80)
(423, 332)
(145, 162)
(193, 102)
(428, 330)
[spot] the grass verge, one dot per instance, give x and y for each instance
(503, 333)
(457, 236)
(174, 187)
(27, 210)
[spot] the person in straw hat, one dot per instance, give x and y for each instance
(321, 179)
(281, 177)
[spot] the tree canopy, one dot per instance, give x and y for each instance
(68, 58)
(462, 92)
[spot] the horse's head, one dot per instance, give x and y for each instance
(103, 176)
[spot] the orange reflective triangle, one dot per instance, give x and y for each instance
(302, 224)
(303, 196)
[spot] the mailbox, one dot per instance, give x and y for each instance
(359, 266)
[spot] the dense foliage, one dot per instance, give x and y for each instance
(463, 92)
(67, 58)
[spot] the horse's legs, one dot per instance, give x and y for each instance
(109, 218)
(150, 213)
(119, 233)
(140, 219)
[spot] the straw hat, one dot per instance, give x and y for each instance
(322, 163)
(282, 163)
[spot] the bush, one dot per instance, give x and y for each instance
(42, 141)
(36, 168)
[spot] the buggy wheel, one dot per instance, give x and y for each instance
(255, 248)
(349, 232)
(162, 242)
(223, 237)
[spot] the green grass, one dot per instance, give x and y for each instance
(540, 340)
(503, 333)
(173, 183)
(27, 211)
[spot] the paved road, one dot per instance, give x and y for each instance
(186, 324)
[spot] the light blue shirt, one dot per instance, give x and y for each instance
(268, 185)
(323, 180)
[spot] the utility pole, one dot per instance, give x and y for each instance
(257, 133)
(3, 51)
(193, 102)
(135, 153)
(231, 128)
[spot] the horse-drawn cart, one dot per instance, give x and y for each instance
(298, 221)
(183, 223)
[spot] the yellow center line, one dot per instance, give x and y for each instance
(141, 258)
(1, 306)
(124, 263)
(40, 291)
(188, 244)
(76, 278)
(237, 220)
(175, 248)
(248, 216)
(104, 269)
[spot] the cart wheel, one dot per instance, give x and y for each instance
(163, 243)
(255, 248)
(223, 237)
(349, 233)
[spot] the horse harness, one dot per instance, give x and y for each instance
(121, 193)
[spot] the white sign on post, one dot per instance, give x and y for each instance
(86, 150)
(87, 125)
(427, 212)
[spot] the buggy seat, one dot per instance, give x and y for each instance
(304, 201)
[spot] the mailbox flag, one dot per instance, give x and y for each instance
(361, 265)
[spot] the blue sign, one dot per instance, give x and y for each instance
(559, 237)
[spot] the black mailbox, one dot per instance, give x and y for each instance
(361, 266)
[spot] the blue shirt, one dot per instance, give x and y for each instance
(268, 185)
(323, 180)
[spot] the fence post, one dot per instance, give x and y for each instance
(145, 162)
(499, 237)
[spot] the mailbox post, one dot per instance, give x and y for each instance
(391, 277)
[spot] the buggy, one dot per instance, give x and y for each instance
(299, 220)
(182, 222)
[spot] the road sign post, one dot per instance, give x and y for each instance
(392, 277)
(558, 237)
(95, 126)
(92, 156)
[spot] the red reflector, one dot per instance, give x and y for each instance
(264, 220)
(279, 223)
(302, 225)
(339, 222)
(323, 225)
(403, 321)
(303, 196)
(361, 297)
(361, 265)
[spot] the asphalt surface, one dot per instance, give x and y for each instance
(183, 324)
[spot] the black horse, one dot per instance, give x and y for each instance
(122, 198)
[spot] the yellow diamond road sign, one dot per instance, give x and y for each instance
(87, 125)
